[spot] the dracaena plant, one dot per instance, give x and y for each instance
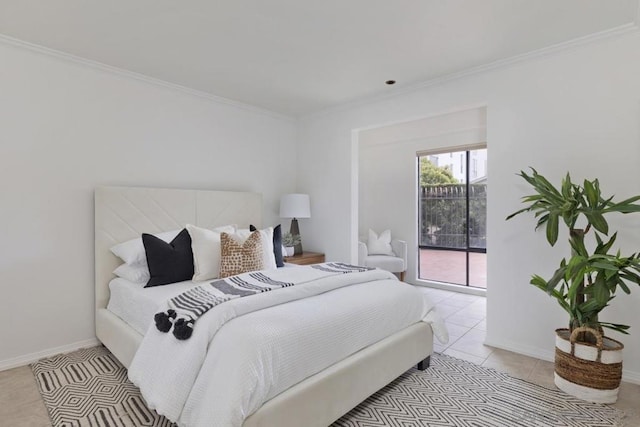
(585, 283)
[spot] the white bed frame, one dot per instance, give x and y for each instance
(123, 213)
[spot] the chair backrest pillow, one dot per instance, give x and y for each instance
(379, 244)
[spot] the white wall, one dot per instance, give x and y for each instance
(388, 171)
(66, 128)
(576, 110)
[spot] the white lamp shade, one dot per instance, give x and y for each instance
(295, 206)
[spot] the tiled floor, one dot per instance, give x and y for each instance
(22, 406)
(20, 401)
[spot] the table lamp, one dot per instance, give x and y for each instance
(295, 206)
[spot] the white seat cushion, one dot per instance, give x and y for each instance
(385, 262)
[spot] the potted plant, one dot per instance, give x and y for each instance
(587, 364)
(289, 241)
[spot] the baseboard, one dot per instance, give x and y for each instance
(631, 376)
(627, 376)
(32, 357)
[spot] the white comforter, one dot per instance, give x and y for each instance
(221, 375)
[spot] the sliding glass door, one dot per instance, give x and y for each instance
(453, 217)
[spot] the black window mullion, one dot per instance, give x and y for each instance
(468, 187)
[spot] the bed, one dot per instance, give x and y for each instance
(123, 213)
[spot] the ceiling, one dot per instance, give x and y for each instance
(300, 56)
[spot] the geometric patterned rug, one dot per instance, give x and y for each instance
(89, 388)
(457, 393)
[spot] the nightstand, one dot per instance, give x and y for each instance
(305, 258)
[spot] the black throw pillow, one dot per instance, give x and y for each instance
(168, 262)
(277, 243)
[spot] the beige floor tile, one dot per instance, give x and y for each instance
(436, 295)
(440, 348)
(481, 326)
(446, 310)
(18, 383)
(629, 402)
(631, 419)
(466, 298)
(456, 302)
(542, 374)
(479, 313)
(509, 357)
(464, 356)
(463, 320)
(460, 305)
(479, 304)
(476, 334)
(452, 340)
(455, 331)
(32, 414)
(20, 400)
(514, 364)
(473, 343)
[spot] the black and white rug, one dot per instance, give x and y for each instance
(90, 388)
(456, 393)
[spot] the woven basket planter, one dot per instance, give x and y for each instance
(590, 372)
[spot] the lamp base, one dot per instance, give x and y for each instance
(297, 249)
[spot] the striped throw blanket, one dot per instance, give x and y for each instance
(186, 308)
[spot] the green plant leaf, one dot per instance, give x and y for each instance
(542, 221)
(616, 327)
(625, 206)
(517, 213)
(597, 220)
(566, 186)
(590, 191)
(604, 266)
(603, 248)
(601, 294)
(624, 286)
(539, 282)
(552, 229)
(555, 279)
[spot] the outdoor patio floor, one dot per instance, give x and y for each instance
(449, 267)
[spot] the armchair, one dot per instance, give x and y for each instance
(394, 264)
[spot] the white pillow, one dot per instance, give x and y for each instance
(266, 235)
(135, 274)
(132, 251)
(380, 245)
(206, 248)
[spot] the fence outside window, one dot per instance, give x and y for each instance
(443, 210)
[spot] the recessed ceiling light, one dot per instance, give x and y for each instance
(390, 82)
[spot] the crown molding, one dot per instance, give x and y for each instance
(140, 77)
(612, 33)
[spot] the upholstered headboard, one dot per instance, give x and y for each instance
(124, 213)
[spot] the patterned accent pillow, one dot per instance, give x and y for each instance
(240, 258)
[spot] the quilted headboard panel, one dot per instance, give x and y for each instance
(124, 213)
